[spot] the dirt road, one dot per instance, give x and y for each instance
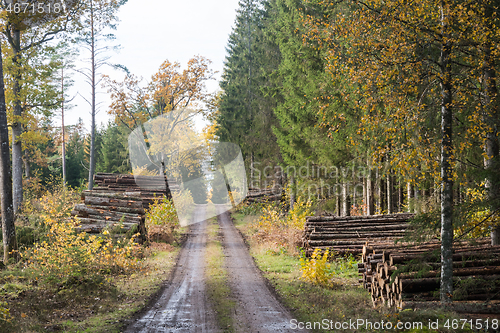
(257, 309)
(184, 307)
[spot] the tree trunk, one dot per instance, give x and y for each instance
(338, 206)
(63, 152)
(382, 194)
(446, 289)
(390, 192)
(401, 196)
(378, 181)
(365, 196)
(416, 199)
(26, 162)
(408, 197)
(370, 189)
(345, 199)
(17, 154)
(8, 227)
(93, 70)
(292, 191)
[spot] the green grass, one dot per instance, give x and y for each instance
(216, 277)
(345, 301)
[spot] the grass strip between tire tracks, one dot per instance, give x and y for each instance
(217, 280)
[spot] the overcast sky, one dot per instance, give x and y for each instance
(152, 31)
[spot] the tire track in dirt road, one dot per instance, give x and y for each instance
(257, 308)
(184, 307)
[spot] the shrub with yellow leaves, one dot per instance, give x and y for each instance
(478, 218)
(69, 257)
(283, 229)
(162, 221)
(316, 269)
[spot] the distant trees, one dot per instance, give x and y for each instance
(113, 151)
(169, 89)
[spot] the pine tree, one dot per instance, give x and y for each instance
(113, 152)
(245, 112)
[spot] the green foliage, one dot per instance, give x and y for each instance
(76, 173)
(112, 154)
(245, 110)
(5, 315)
(162, 212)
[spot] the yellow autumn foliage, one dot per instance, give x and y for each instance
(316, 269)
(63, 254)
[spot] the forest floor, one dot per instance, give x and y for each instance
(223, 279)
(85, 307)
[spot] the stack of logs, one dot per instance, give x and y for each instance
(148, 186)
(257, 195)
(117, 200)
(102, 210)
(348, 234)
(405, 276)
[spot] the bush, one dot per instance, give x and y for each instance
(5, 316)
(283, 229)
(316, 270)
(58, 254)
(162, 221)
(67, 257)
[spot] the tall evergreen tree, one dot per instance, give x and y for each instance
(113, 154)
(245, 113)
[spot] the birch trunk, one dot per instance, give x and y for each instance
(17, 154)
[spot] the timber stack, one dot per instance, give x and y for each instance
(101, 210)
(408, 276)
(348, 234)
(257, 195)
(149, 187)
(118, 201)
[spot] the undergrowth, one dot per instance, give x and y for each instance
(63, 274)
(162, 222)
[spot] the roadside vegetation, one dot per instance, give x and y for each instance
(316, 288)
(73, 282)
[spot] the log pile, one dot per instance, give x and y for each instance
(117, 200)
(257, 195)
(404, 276)
(348, 234)
(102, 210)
(150, 186)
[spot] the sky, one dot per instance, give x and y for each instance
(152, 31)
